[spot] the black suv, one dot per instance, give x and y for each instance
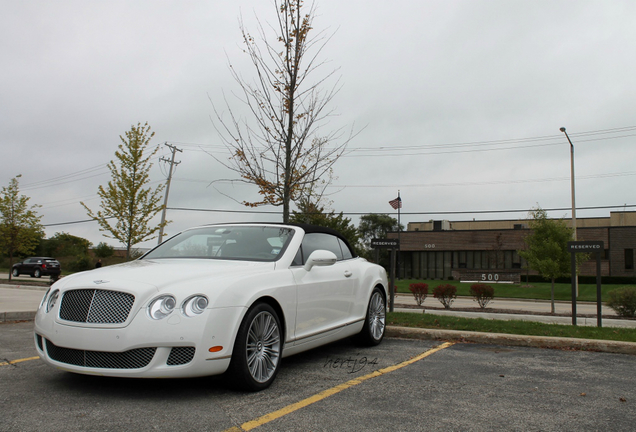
(37, 266)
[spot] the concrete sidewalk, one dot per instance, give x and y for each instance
(495, 308)
(19, 302)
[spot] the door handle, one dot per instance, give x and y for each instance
(347, 273)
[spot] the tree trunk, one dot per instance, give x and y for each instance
(552, 296)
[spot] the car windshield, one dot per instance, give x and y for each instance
(247, 243)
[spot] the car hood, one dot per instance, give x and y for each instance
(162, 274)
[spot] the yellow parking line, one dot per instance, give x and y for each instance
(18, 361)
(332, 391)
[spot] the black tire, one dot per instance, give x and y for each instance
(258, 349)
(375, 320)
(15, 272)
(37, 273)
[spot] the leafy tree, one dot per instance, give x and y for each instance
(314, 214)
(282, 151)
(376, 226)
(126, 200)
(546, 248)
(64, 244)
(103, 250)
(20, 228)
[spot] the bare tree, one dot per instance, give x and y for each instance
(283, 150)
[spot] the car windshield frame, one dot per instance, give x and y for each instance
(256, 243)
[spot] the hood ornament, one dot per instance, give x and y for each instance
(99, 282)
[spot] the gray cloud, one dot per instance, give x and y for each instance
(414, 74)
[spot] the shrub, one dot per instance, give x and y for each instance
(446, 294)
(482, 294)
(135, 253)
(83, 262)
(623, 301)
(420, 291)
(102, 250)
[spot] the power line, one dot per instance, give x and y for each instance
(383, 151)
(35, 185)
(69, 178)
(68, 223)
(410, 213)
(422, 185)
(624, 206)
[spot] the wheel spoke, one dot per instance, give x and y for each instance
(263, 347)
(377, 316)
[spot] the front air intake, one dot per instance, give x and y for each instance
(132, 359)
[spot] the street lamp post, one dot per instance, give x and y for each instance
(573, 199)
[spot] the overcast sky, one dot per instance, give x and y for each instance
(458, 103)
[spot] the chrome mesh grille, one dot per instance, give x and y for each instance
(96, 306)
(180, 356)
(132, 359)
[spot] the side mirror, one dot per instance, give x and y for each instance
(320, 258)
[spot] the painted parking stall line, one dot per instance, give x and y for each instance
(332, 391)
(12, 362)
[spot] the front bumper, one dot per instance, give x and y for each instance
(175, 347)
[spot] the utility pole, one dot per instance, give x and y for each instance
(172, 163)
(575, 276)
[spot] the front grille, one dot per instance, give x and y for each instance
(180, 356)
(96, 306)
(38, 338)
(132, 359)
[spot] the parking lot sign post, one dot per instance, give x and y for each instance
(575, 247)
(392, 244)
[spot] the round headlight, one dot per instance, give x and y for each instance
(52, 300)
(194, 305)
(161, 307)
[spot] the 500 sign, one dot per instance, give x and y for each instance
(490, 277)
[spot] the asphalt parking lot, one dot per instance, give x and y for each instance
(400, 385)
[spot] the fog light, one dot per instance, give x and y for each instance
(161, 307)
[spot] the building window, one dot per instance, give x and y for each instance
(629, 259)
(462, 259)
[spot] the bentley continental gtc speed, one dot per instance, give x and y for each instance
(216, 299)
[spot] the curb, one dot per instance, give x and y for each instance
(614, 347)
(16, 316)
(25, 287)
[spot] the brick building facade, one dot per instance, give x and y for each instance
(488, 249)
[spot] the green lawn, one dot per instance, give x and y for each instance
(536, 291)
(406, 319)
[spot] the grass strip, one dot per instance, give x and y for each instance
(535, 290)
(529, 328)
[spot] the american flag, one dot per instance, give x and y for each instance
(396, 203)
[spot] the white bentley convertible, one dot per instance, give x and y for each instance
(214, 299)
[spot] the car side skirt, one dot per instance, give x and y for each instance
(318, 339)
